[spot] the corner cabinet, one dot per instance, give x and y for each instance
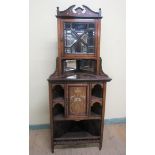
(77, 88)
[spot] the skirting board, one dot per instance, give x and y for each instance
(106, 121)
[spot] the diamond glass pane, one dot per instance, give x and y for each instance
(79, 38)
(70, 38)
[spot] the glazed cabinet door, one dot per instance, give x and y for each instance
(77, 100)
(79, 38)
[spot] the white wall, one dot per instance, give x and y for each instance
(43, 51)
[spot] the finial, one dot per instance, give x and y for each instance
(99, 11)
(57, 10)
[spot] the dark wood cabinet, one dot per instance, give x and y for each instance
(77, 88)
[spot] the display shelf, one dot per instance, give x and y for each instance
(75, 131)
(61, 117)
(82, 135)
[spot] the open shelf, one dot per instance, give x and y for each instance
(59, 100)
(58, 92)
(76, 131)
(97, 91)
(96, 99)
(61, 117)
(95, 115)
(77, 135)
(58, 109)
(96, 109)
(76, 142)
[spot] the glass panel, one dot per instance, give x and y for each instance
(79, 66)
(67, 50)
(79, 47)
(69, 65)
(79, 38)
(88, 65)
(91, 25)
(70, 38)
(85, 38)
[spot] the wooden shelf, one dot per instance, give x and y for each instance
(81, 132)
(94, 115)
(60, 117)
(96, 99)
(77, 136)
(76, 142)
(59, 100)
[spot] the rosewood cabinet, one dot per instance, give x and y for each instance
(77, 88)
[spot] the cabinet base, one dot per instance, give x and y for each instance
(76, 145)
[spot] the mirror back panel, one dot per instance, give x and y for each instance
(82, 65)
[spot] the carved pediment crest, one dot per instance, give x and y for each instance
(78, 12)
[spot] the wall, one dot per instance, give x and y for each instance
(43, 51)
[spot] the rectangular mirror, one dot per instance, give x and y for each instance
(87, 65)
(69, 65)
(83, 65)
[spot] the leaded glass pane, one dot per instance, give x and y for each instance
(79, 38)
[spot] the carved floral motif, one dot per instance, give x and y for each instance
(77, 100)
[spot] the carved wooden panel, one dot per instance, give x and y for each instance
(77, 97)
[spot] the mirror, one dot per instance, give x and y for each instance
(69, 65)
(88, 65)
(83, 65)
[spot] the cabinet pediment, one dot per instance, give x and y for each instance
(78, 12)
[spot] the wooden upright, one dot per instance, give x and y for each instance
(77, 88)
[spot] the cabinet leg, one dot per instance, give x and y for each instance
(100, 146)
(52, 148)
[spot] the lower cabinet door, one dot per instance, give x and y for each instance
(77, 100)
